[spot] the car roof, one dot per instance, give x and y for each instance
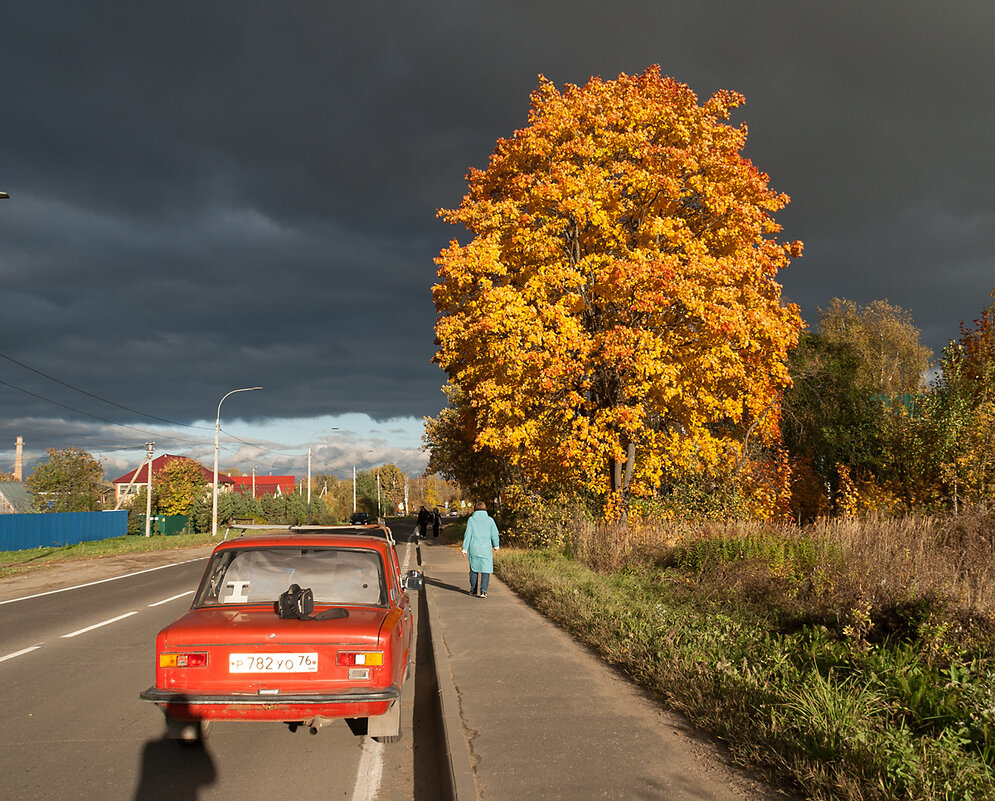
(324, 536)
(369, 529)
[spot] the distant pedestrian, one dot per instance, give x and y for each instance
(436, 521)
(423, 517)
(479, 542)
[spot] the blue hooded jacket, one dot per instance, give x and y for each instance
(480, 538)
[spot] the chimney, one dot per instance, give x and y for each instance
(19, 460)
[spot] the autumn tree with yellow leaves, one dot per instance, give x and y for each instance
(961, 414)
(615, 319)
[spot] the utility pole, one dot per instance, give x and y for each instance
(149, 447)
(253, 483)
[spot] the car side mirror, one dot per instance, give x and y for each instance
(415, 580)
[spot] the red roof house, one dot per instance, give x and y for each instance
(264, 485)
(131, 482)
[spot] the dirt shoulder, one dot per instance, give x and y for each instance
(68, 574)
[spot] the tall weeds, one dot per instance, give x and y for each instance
(940, 565)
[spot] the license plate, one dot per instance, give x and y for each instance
(273, 663)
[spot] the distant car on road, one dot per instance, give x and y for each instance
(303, 627)
(359, 518)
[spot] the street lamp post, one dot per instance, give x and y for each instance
(316, 433)
(217, 432)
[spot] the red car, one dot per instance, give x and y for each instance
(303, 627)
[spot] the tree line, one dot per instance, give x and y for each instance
(71, 480)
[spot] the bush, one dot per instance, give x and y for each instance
(536, 521)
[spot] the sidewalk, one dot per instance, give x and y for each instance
(531, 715)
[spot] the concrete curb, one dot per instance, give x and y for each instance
(456, 768)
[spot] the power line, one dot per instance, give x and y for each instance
(96, 397)
(73, 409)
(144, 433)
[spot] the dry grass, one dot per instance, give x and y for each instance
(898, 571)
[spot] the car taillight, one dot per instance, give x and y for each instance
(359, 658)
(183, 660)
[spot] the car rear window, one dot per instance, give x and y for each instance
(260, 575)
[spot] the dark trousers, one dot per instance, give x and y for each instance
(485, 579)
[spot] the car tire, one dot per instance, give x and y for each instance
(386, 728)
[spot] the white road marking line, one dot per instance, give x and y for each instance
(22, 652)
(167, 600)
(370, 771)
(98, 625)
(407, 558)
(101, 581)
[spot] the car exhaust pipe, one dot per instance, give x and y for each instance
(316, 723)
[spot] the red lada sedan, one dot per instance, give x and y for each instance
(302, 627)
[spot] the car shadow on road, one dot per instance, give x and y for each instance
(174, 772)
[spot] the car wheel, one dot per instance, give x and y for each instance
(386, 728)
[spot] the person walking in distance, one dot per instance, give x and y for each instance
(479, 543)
(436, 521)
(423, 518)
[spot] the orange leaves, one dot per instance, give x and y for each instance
(618, 287)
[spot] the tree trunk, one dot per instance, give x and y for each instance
(621, 479)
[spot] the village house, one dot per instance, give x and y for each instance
(132, 482)
(14, 498)
(258, 486)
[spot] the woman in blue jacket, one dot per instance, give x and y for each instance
(480, 540)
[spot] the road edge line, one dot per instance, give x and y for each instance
(101, 581)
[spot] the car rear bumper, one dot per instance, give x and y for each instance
(292, 706)
(157, 696)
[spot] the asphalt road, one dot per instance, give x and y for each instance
(72, 727)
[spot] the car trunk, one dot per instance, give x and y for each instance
(251, 651)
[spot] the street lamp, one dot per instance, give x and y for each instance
(379, 507)
(316, 433)
(217, 432)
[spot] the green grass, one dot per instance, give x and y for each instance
(15, 562)
(825, 708)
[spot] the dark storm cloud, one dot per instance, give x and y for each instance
(217, 194)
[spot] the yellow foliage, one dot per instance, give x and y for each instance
(619, 288)
(972, 473)
(847, 496)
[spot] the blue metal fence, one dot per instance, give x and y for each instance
(18, 532)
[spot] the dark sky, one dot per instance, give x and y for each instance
(210, 195)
